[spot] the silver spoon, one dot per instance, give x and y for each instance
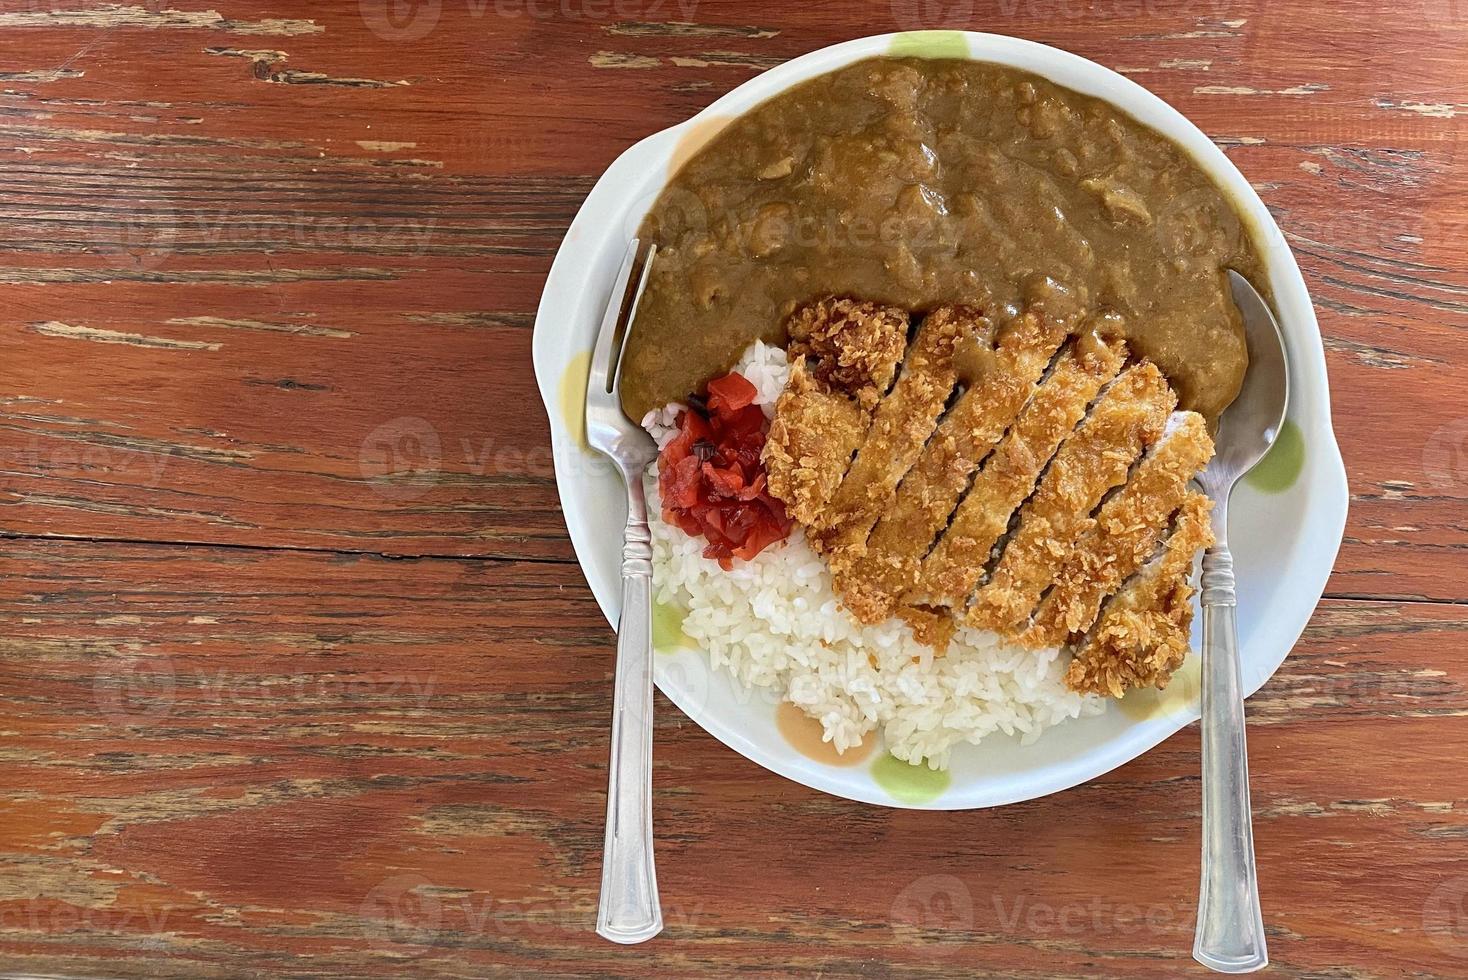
(1230, 931)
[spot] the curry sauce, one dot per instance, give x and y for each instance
(921, 183)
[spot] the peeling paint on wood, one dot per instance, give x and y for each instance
(1378, 356)
(264, 69)
(727, 59)
(41, 75)
(302, 329)
(687, 29)
(385, 146)
(1432, 110)
(55, 328)
(617, 59)
(153, 17)
(1310, 88)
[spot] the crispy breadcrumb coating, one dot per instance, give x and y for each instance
(900, 428)
(1126, 532)
(857, 346)
(1129, 417)
(1142, 634)
(954, 567)
(812, 437)
(999, 381)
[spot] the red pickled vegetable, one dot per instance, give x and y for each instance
(732, 391)
(711, 478)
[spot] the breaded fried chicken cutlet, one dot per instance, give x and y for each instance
(1124, 534)
(1142, 635)
(1129, 417)
(1021, 473)
(967, 435)
(812, 437)
(856, 347)
(901, 426)
(844, 355)
(953, 568)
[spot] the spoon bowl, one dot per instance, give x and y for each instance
(1249, 426)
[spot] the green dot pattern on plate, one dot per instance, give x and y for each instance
(907, 783)
(930, 44)
(1281, 466)
(667, 628)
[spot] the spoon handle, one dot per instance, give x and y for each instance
(629, 910)
(1230, 931)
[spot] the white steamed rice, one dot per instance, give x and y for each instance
(775, 622)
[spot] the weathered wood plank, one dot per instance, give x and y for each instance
(267, 278)
(222, 759)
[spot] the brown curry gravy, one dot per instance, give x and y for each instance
(918, 183)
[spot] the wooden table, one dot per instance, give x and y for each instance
(299, 675)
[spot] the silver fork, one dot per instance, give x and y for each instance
(629, 910)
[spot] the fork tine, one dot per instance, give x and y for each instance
(598, 380)
(630, 323)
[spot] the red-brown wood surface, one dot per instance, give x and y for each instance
(299, 676)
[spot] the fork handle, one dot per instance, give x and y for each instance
(629, 910)
(1230, 930)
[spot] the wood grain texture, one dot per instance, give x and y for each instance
(220, 759)
(298, 675)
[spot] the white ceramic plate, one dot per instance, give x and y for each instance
(1286, 522)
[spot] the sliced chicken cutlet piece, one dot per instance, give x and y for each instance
(1128, 418)
(812, 436)
(900, 428)
(857, 346)
(1142, 634)
(950, 572)
(998, 381)
(1126, 532)
(843, 355)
